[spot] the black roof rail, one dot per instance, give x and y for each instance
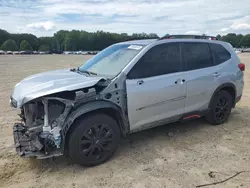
(188, 37)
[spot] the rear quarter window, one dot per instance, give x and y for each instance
(220, 53)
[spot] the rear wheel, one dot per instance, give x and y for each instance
(220, 108)
(93, 140)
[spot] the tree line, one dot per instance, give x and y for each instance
(76, 40)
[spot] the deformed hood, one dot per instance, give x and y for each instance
(50, 82)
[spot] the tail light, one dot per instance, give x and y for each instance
(241, 66)
(212, 38)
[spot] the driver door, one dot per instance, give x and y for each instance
(156, 88)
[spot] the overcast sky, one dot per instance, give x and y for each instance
(45, 17)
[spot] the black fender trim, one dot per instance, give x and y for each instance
(93, 106)
(220, 88)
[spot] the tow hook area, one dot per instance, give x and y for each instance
(24, 144)
(40, 145)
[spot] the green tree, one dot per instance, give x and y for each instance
(153, 35)
(245, 41)
(218, 37)
(25, 46)
(44, 48)
(4, 35)
(31, 39)
(9, 45)
(60, 38)
(54, 45)
(75, 40)
(68, 44)
(45, 41)
(233, 39)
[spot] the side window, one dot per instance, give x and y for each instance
(197, 55)
(220, 53)
(159, 60)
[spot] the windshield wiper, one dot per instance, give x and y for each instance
(86, 71)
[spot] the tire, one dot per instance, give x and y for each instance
(93, 140)
(220, 108)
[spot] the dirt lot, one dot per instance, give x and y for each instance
(177, 155)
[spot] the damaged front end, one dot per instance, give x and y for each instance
(51, 101)
(39, 133)
(46, 101)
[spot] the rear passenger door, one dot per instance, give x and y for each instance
(201, 75)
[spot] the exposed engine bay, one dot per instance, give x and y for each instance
(40, 131)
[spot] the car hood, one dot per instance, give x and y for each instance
(50, 82)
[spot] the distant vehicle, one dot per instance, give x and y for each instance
(16, 52)
(126, 88)
(35, 52)
(237, 51)
(42, 53)
(84, 53)
(79, 53)
(55, 52)
(9, 52)
(90, 53)
(67, 52)
(26, 52)
(247, 50)
(2, 52)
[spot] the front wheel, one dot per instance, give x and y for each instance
(220, 108)
(93, 140)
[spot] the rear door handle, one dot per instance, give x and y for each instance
(140, 82)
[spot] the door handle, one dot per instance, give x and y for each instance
(216, 74)
(180, 81)
(140, 82)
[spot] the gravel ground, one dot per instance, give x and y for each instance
(176, 155)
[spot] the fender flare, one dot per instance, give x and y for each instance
(220, 88)
(90, 107)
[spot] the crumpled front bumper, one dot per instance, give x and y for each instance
(24, 144)
(30, 146)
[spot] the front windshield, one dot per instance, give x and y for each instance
(111, 60)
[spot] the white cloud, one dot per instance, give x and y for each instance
(47, 26)
(224, 29)
(43, 17)
(242, 24)
(193, 32)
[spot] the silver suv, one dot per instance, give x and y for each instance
(127, 87)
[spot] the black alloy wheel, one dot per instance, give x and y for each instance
(93, 140)
(96, 142)
(220, 108)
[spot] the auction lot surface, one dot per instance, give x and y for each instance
(176, 155)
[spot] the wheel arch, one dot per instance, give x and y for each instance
(101, 106)
(229, 87)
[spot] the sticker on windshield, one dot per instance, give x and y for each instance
(135, 47)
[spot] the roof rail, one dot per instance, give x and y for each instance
(188, 37)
